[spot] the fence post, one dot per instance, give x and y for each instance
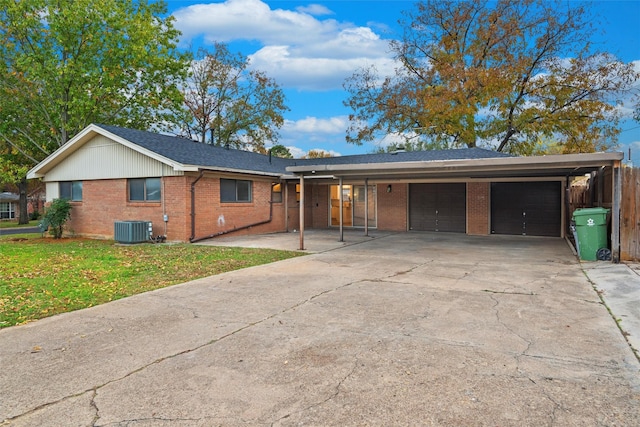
(616, 182)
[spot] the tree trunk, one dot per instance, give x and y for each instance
(468, 135)
(504, 141)
(22, 189)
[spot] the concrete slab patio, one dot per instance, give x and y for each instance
(396, 329)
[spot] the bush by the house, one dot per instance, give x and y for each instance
(55, 217)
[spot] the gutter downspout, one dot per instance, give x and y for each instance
(164, 205)
(244, 227)
(193, 205)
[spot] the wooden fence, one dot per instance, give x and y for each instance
(630, 214)
(597, 191)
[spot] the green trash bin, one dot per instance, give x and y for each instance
(591, 231)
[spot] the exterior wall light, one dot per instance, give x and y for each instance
(389, 188)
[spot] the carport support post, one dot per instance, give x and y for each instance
(285, 184)
(615, 212)
(366, 206)
(341, 209)
(302, 212)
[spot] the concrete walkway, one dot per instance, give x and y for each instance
(399, 329)
(619, 287)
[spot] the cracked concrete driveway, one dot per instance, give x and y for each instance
(402, 329)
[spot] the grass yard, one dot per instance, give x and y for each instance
(42, 277)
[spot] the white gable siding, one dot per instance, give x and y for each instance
(103, 158)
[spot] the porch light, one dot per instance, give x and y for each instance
(389, 188)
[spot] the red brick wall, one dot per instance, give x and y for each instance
(478, 208)
(177, 196)
(213, 217)
(105, 201)
(392, 207)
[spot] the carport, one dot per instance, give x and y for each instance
(542, 181)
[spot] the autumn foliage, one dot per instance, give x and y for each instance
(510, 75)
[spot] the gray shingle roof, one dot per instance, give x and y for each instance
(189, 152)
(406, 156)
(9, 197)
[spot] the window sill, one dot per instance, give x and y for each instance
(144, 204)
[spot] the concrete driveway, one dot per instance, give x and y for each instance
(398, 329)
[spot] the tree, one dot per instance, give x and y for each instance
(67, 63)
(280, 150)
(22, 145)
(317, 154)
(228, 104)
(505, 74)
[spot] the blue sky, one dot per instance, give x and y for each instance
(309, 48)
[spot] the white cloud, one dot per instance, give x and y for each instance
(314, 125)
(313, 133)
(314, 9)
(296, 48)
(292, 68)
(251, 20)
(296, 152)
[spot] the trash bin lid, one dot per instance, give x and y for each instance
(590, 211)
(590, 217)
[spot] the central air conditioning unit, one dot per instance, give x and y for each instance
(132, 231)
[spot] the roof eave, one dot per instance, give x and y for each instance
(40, 170)
(196, 168)
(486, 164)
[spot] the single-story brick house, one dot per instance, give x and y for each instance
(9, 206)
(191, 191)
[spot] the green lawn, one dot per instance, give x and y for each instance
(40, 277)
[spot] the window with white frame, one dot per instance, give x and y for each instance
(7, 210)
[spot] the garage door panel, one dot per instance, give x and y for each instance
(529, 208)
(438, 207)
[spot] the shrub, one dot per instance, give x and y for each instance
(56, 216)
(35, 215)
